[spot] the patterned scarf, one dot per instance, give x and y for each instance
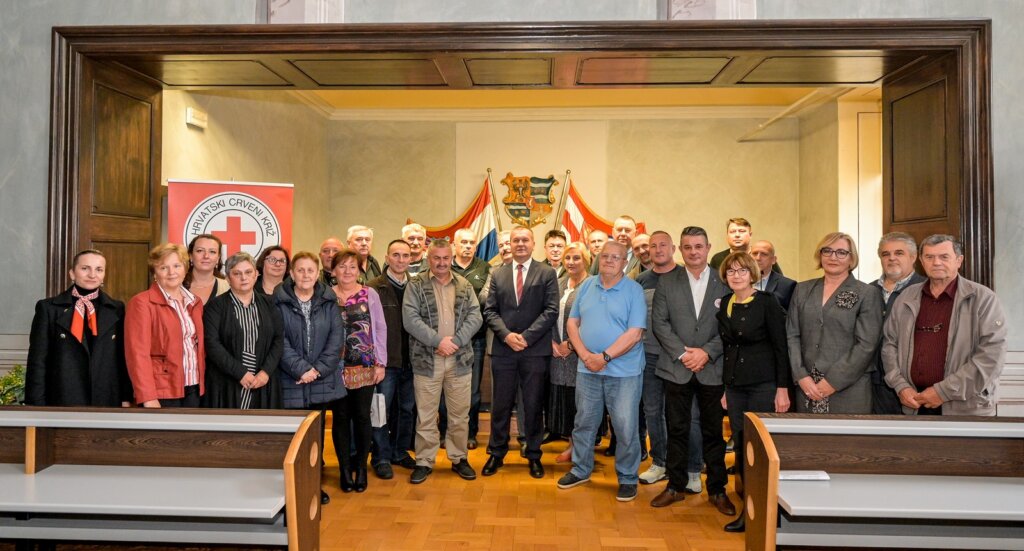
(82, 306)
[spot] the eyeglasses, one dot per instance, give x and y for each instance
(273, 260)
(930, 329)
(612, 257)
(838, 253)
(737, 271)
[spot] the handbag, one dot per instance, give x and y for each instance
(378, 411)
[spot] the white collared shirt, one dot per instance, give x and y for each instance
(763, 284)
(699, 287)
(898, 287)
(190, 342)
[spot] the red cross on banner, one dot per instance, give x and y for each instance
(234, 238)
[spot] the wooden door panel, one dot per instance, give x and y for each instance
(118, 173)
(925, 183)
(122, 145)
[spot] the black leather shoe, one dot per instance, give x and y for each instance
(723, 504)
(324, 498)
(536, 469)
(738, 525)
(347, 484)
(360, 484)
(471, 444)
(406, 463)
(493, 464)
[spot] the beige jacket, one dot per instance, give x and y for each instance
(974, 356)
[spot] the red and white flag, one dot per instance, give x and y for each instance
(578, 219)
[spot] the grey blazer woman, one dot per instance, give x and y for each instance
(836, 342)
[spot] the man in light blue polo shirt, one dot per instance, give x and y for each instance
(606, 328)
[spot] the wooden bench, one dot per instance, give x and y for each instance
(212, 477)
(894, 482)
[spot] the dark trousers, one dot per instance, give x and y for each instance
(352, 418)
(189, 400)
(529, 375)
(759, 398)
(678, 401)
(884, 400)
(391, 442)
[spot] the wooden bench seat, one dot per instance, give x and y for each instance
(894, 482)
(159, 476)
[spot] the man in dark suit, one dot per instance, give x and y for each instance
(772, 282)
(521, 308)
(684, 317)
(898, 252)
(737, 233)
(623, 231)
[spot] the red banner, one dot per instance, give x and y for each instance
(246, 216)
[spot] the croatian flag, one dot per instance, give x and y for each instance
(480, 218)
(578, 219)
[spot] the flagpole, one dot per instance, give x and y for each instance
(561, 204)
(494, 201)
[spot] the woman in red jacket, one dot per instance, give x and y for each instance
(164, 335)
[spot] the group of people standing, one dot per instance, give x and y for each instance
(608, 332)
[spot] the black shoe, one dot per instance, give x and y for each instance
(360, 484)
(738, 525)
(383, 471)
(627, 492)
(609, 451)
(550, 437)
(406, 463)
(522, 449)
(347, 484)
(324, 498)
(731, 470)
(420, 474)
(472, 444)
(536, 469)
(493, 464)
(464, 469)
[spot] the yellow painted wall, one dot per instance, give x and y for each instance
(819, 185)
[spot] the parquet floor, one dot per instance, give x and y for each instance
(512, 511)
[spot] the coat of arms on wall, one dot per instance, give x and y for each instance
(529, 199)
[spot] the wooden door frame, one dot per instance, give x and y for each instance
(969, 40)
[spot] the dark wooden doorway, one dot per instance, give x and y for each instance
(935, 77)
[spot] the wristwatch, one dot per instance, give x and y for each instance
(607, 358)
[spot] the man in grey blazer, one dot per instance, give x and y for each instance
(683, 315)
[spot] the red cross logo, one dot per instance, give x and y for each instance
(234, 237)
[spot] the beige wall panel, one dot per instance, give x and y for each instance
(253, 137)
(384, 172)
(819, 185)
(678, 173)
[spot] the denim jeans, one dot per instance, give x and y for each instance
(654, 411)
(392, 441)
(621, 396)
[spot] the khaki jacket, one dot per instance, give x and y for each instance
(975, 353)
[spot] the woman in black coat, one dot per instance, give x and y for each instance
(76, 348)
(244, 339)
(752, 325)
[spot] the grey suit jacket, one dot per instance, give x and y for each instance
(839, 339)
(676, 327)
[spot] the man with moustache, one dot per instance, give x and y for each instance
(441, 313)
(521, 308)
(945, 339)
(391, 443)
(897, 252)
(360, 240)
(477, 272)
(416, 236)
(772, 282)
(690, 366)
